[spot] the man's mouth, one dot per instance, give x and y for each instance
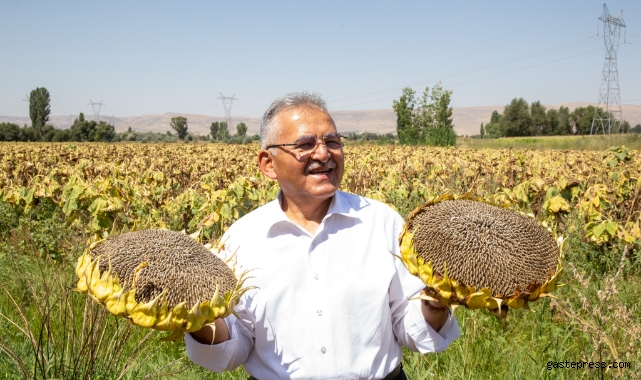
(320, 171)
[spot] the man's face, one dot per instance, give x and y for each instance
(307, 176)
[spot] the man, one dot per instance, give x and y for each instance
(331, 300)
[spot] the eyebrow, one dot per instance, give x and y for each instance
(302, 138)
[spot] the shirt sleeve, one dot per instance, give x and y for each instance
(228, 355)
(409, 326)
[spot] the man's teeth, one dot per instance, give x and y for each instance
(321, 171)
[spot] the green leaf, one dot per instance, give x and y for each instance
(97, 205)
(225, 211)
(71, 203)
(598, 230)
(611, 227)
(238, 190)
(100, 222)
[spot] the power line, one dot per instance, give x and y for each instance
(491, 76)
(473, 70)
(512, 33)
(96, 109)
(228, 102)
(609, 94)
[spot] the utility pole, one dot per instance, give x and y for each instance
(96, 109)
(610, 119)
(228, 101)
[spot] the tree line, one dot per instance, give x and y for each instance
(425, 121)
(522, 119)
(83, 130)
(218, 131)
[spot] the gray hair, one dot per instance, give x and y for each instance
(270, 129)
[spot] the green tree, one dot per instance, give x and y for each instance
(89, 130)
(241, 130)
(179, 124)
(625, 127)
(39, 110)
(496, 117)
(28, 134)
(552, 121)
(441, 131)
(81, 129)
(61, 135)
(9, 132)
(540, 125)
(214, 128)
(636, 129)
(492, 129)
(482, 133)
(223, 131)
(581, 119)
(407, 132)
(104, 132)
(516, 119)
(426, 121)
(563, 127)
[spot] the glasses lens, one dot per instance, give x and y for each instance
(305, 145)
(333, 142)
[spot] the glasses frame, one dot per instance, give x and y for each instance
(322, 140)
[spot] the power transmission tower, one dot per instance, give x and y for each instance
(611, 117)
(228, 101)
(96, 109)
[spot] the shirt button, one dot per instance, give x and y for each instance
(323, 350)
(316, 276)
(319, 312)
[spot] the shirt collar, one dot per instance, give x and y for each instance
(342, 204)
(346, 204)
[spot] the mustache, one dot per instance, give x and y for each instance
(315, 165)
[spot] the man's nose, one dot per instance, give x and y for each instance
(321, 153)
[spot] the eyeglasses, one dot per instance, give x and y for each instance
(308, 144)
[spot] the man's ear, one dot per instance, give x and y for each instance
(266, 164)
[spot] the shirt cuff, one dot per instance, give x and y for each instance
(425, 338)
(214, 357)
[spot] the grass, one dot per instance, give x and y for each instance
(597, 142)
(47, 330)
(50, 331)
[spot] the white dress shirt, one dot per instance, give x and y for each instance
(332, 305)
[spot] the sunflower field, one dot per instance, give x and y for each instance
(54, 197)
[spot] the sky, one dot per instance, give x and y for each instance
(155, 57)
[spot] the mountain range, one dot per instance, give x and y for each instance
(467, 120)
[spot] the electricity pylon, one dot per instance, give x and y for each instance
(610, 119)
(96, 109)
(228, 101)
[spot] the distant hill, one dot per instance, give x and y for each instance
(467, 120)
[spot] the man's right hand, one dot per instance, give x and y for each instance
(210, 335)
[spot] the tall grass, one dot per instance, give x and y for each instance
(50, 331)
(595, 142)
(594, 319)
